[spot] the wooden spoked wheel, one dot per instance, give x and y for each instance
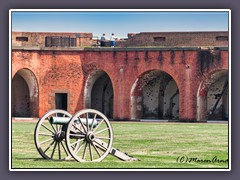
(91, 131)
(50, 138)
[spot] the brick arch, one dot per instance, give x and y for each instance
(25, 94)
(99, 93)
(153, 95)
(211, 95)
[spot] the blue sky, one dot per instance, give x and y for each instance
(119, 23)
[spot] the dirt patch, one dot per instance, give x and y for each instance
(25, 119)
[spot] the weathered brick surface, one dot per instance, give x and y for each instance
(192, 59)
(33, 39)
(67, 71)
(164, 39)
(189, 39)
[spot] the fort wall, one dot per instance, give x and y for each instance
(130, 72)
(143, 39)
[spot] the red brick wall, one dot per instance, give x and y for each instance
(66, 71)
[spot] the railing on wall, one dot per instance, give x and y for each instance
(60, 41)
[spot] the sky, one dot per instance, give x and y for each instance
(119, 23)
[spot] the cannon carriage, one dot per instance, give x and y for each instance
(86, 136)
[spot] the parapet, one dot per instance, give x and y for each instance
(178, 39)
(51, 39)
(143, 39)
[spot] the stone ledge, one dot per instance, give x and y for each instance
(116, 49)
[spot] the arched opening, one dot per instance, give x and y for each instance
(155, 95)
(20, 97)
(213, 97)
(99, 93)
(24, 94)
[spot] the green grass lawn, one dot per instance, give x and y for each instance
(157, 145)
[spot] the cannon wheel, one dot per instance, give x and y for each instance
(94, 134)
(50, 138)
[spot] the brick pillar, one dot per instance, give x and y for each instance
(187, 98)
(121, 106)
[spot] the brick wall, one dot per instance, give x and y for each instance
(174, 39)
(68, 71)
(161, 39)
(37, 39)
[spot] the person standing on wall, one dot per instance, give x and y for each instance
(112, 40)
(103, 39)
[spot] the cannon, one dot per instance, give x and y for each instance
(87, 136)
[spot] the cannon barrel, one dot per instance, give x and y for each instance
(59, 120)
(65, 120)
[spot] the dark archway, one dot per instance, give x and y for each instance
(24, 94)
(213, 97)
(155, 95)
(99, 93)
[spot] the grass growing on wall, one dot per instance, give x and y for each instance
(157, 145)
